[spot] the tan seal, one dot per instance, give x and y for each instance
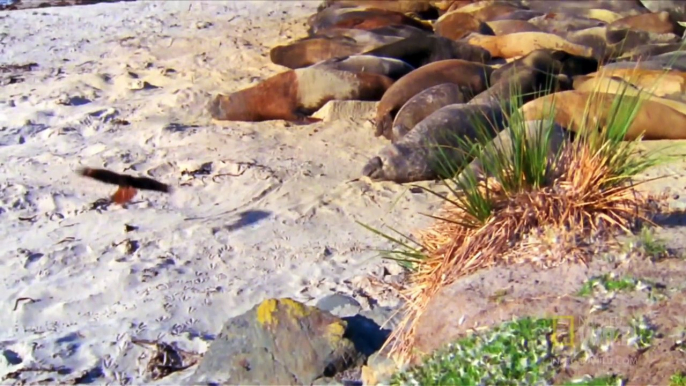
(653, 120)
(522, 43)
(294, 95)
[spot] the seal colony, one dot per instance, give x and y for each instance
(433, 65)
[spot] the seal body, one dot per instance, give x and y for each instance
(392, 68)
(472, 76)
(421, 50)
(424, 104)
(419, 154)
(505, 27)
(456, 25)
(295, 94)
(308, 51)
(653, 120)
(361, 18)
(522, 43)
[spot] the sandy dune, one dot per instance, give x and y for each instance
(123, 86)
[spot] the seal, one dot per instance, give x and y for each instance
(646, 51)
(501, 146)
(505, 27)
(392, 68)
(361, 18)
(424, 103)
(473, 76)
(522, 43)
(661, 83)
(659, 23)
(456, 25)
(553, 62)
(520, 14)
(400, 31)
(423, 8)
(524, 82)
(417, 155)
(308, 51)
(617, 85)
(563, 23)
(653, 120)
(421, 50)
(294, 95)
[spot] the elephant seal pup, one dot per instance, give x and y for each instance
(522, 43)
(400, 31)
(415, 157)
(361, 18)
(421, 50)
(456, 25)
(308, 51)
(653, 120)
(392, 68)
(470, 75)
(424, 104)
(505, 27)
(294, 95)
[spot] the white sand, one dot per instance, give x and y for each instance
(197, 263)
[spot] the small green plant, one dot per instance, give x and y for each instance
(653, 247)
(642, 333)
(608, 380)
(517, 352)
(609, 282)
(678, 379)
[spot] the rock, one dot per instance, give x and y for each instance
(339, 305)
(379, 369)
(346, 110)
(279, 341)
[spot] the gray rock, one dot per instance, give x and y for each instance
(279, 341)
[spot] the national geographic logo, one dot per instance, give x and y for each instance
(563, 331)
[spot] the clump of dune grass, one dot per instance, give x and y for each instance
(584, 192)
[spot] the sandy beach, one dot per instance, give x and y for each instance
(258, 210)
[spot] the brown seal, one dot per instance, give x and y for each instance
(660, 23)
(308, 51)
(361, 18)
(421, 50)
(505, 27)
(294, 95)
(653, 120)
(423, 8)
(522, 43)
(473, 76)
(456, 25)
(424, 103)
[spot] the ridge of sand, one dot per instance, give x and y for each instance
(274, 216)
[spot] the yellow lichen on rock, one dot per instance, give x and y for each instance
(335, 331)
(265, 312)
(295, 309)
